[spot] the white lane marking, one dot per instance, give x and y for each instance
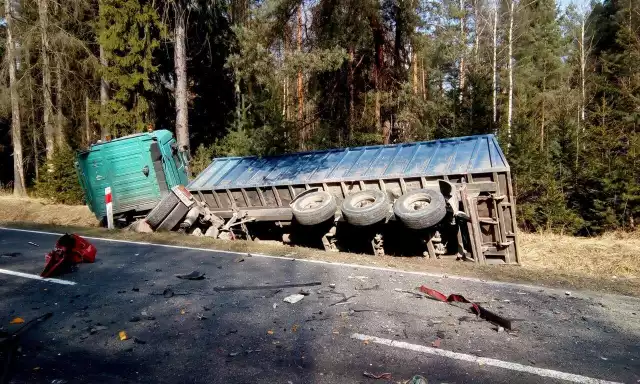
(483, 360)
(338, 264)
(36, 277)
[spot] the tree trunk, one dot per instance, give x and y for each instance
(510, 66)
(495, 68)
(16, 130)
(351, 96)
(180, 58)
(542, 123)
(476, 20)
(582, 70)
(87, 122)
(462, 53)
(424, 83)
(49, 134)
(104, 95)
(414, 62)
(60, 139)
(301, 126)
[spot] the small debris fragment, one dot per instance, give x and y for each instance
(270, 332)
(436, 343)
(139, 341)
(195, 275)
(233, 354)
(381, 376)
(123, 336)
(11, 254)
(294, 328)
(201, 316)
(134, 319)
(332, 285)
(167, 293)
(239, 259)
(135, 289)
(567, 293)
(500, 329)
(32, 243)
(17, 320)
(305, 292)
(275, 305)
(293, 298)
(232, 331)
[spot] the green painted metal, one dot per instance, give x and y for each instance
(125, 164)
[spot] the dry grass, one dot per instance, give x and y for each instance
(39, 211)
(609, 263)
(615, 255)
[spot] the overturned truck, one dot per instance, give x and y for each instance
(453, 196)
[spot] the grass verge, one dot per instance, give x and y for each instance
(607, 264)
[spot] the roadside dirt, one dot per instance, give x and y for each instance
(609, 263)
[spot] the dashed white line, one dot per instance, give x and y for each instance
(483, 360)
(36, 277)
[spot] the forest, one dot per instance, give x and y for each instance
(558, 84)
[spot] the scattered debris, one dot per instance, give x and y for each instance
(134, 319)
(167, 293)
(343, 300)
(17, 320)
(201, 316)
(32, 243)
(270, 332)
(258, 287)
(123, 336)
(69, 250)
(305, 292)
(332, 285)
(232, 331)
(417, 379)
(135, 289)
(294, 328)
(293, 298)
(436, 343)
(275, 305)
(478, 310)
(233, 354)
(372, 288)
(567, 293)
(414, 294)
(500, 329)
(239, 259)
(11, 254)
(195, 275)
(139, 341)
(381, 376)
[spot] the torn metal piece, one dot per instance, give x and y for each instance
(195, 275)
(477, 309)
(380, 376)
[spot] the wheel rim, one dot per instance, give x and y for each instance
(365, 202)
(312, 202)
(418, 203)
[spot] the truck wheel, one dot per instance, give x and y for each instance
(162, 210)
(314, 208)
(420, 209)
(365, 207)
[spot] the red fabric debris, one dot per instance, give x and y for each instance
(70, 249)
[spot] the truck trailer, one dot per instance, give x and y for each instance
(454, 195)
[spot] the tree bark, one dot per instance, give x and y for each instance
(49, 134)
(544, 106)
(582, 70)
(424, 83)
(182, 111)
(476, 20)
(60, 137)
(104, 95)
(16, 130)
(510, 66)
(495, 69)
(301, 126)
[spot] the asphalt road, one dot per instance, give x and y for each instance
(210, 332)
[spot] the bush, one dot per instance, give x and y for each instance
(59, 180)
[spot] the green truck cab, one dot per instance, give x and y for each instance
(140, 169)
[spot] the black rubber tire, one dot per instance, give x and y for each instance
(314, 208)
(376, 211)
(428, 215)
(160, 211)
